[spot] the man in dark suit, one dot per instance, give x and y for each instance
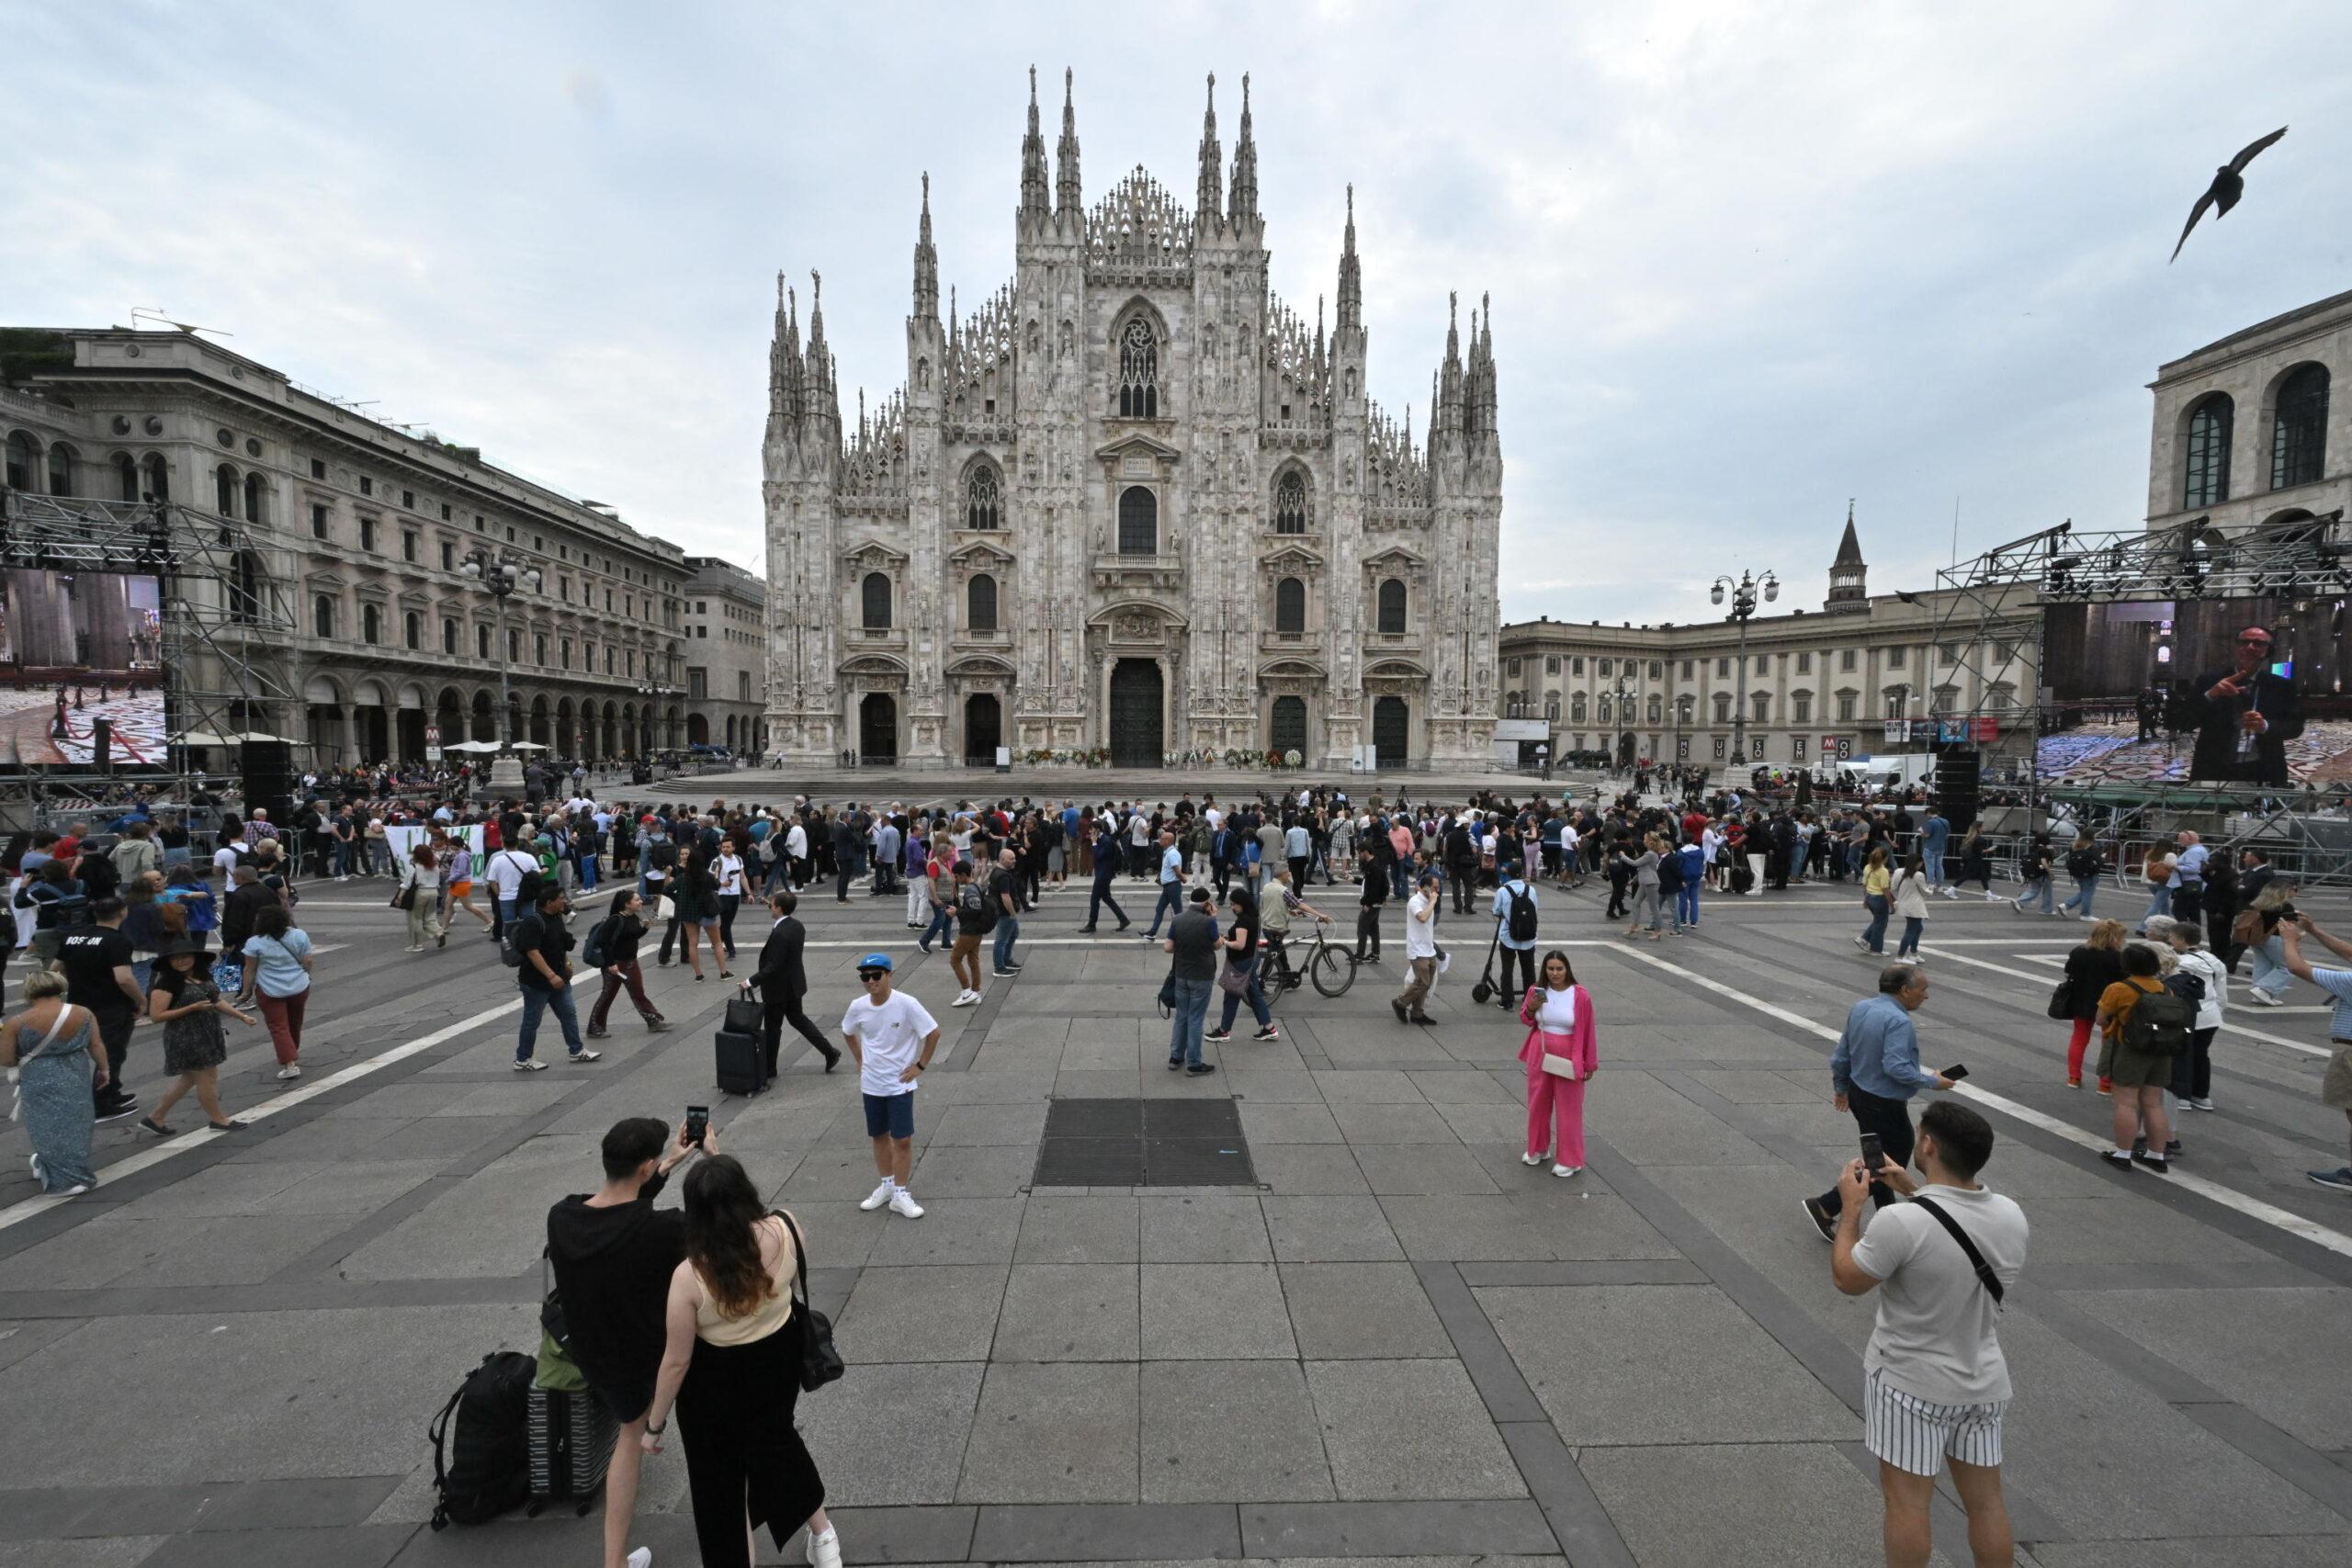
(2243, 716)
(783, 982)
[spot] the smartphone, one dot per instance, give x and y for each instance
(1873, 1152)
(1955, 1072)
(697, 1123)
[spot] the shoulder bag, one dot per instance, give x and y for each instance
(1984, 1275)
(820, 1363)
(2062, 1000)
(16, 1073)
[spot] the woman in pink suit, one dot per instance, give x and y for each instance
(1558, 1015)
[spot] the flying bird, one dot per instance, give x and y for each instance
(2229, 183)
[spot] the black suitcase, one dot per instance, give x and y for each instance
(572, 1445)
(741, 1064)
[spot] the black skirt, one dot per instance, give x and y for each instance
(745, 1455)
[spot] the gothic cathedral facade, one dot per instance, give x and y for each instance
(1133, 503)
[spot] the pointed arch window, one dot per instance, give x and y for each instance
(2299, 436)
(1290, 504)
(1290, 607)
(2207, 480)
(1138, 522)
(875, 594)
(1392, 606)
(1138, 371)
(979, 603)
(983, 499)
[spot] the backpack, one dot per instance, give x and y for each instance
(509, 954)
(481, 1451)
(2158, 1024)
(592, 952)
(1522, 916)
(2083, 864)
(972, 901)
(2188, 986)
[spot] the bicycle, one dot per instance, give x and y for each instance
(1330, 967)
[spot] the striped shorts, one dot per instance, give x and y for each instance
(1913, 1435)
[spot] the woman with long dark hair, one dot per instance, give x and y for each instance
(732, 1369)
(1241, 979)
(1558, 1015)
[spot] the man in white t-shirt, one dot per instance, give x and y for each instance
(1936, 1384)
(507, 870)
(892, 1038)
(1421, 951)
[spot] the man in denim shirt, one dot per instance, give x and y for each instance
(1873, 1074)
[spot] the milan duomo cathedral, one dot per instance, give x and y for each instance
(1134, 504)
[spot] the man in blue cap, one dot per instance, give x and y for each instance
(892, 1037)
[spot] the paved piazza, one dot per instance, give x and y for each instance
(1399, 1342)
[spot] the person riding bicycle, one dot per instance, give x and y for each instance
(1273, 922)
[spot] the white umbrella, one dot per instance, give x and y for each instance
(472, 746)
(526, 746)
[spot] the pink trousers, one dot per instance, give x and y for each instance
(1555, 1101)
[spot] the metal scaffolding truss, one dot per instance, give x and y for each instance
(1995, 602)
(223, 613)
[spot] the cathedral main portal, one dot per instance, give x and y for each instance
(1137, 703)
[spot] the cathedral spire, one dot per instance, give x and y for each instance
(1849, 577)
(1067, 202)
(1032, 161)
(1209, 201)
(926, 261)
(1245, 166)
(1350, 273)
(783, 358)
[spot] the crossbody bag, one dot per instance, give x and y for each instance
(16, 1073)
(1984, 1275)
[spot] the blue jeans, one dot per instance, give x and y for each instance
(2085, 889)
(1256, 996)
(1184, 1026)
(537, 1002)
(1935, 862)
(2038, 888)
(1686, 905)
(1008, 928)
(587, 874)
(1874, 934)
(2270, 956)
(942, 927)
(2159, 903)
(1401, 879)
(1172, 902)
(1913, 929)
(343, 858)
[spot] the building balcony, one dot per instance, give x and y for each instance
(863, 638)
(966, 637)
(1118, 569)
(1391, 642)
(1289, 642)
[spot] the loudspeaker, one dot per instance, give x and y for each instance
(268, 780)
(1955, 793)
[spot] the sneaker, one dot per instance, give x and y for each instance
(1823, 1219)
(901, 1203)
(964, 999)
(656, 1025)
(1530, 1159)
(2199, 1103)
(414, 947)
(1858, 942)
(1269, 1033)
(2266, 998)
(879, 1196)
(2341, 1180)
(825, 1551)
(2106, 1087)
(290, 1070)
(596, 1031)
(587, 1056)
(2172, 1148)
(641, 1558)
(1004, 974)
(2074, 1082)
(1398, 1008)
(529, 1065)
(1174, 1063)
(118, 1113)
(1201, 1069)
(1218, 1035)
(1567, 1170)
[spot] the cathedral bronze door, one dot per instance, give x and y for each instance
(1136, 701)
(877, 728)
(1391, 724)
(1287, 732)
(983, 728)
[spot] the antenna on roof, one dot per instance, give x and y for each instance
(139, 312)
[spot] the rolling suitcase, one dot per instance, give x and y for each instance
(741, 1069)
(571, 1439)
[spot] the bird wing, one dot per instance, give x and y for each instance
(2195, 212)
(2238, 163)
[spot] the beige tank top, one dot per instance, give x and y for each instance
(714, 1327)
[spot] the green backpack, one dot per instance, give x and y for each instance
(2158, 1024)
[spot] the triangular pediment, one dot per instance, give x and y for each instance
(1394, 557)
(873, 554)
(980, 550)
(1136, 454)
(1291, 556)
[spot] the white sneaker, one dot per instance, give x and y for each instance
(825, 1551)
(878, 1196)
(903, 1202)
(641, 1558)
(2265, 998)
(290, 1070)
(1567, 1170)
(1530, 1159)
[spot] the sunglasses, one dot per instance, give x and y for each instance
(870, 976)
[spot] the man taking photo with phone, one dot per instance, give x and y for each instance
(1936, 1384)
(1873, 1074)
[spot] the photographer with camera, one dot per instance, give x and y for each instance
(1873, 1074)
(1936, 1385)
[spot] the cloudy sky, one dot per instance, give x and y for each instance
(1747, 262)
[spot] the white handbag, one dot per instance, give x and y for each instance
(1561, 1067)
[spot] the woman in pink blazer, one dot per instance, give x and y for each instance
(1558, 1015)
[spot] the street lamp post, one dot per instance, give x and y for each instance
(653, 692)
(1744, 595)
(1624, 727)
(503, 577)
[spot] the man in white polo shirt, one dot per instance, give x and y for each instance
(1936, 1384)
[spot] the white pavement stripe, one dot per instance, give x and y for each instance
(2253, 1208)
(2319, 1051)
(147, 1159)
